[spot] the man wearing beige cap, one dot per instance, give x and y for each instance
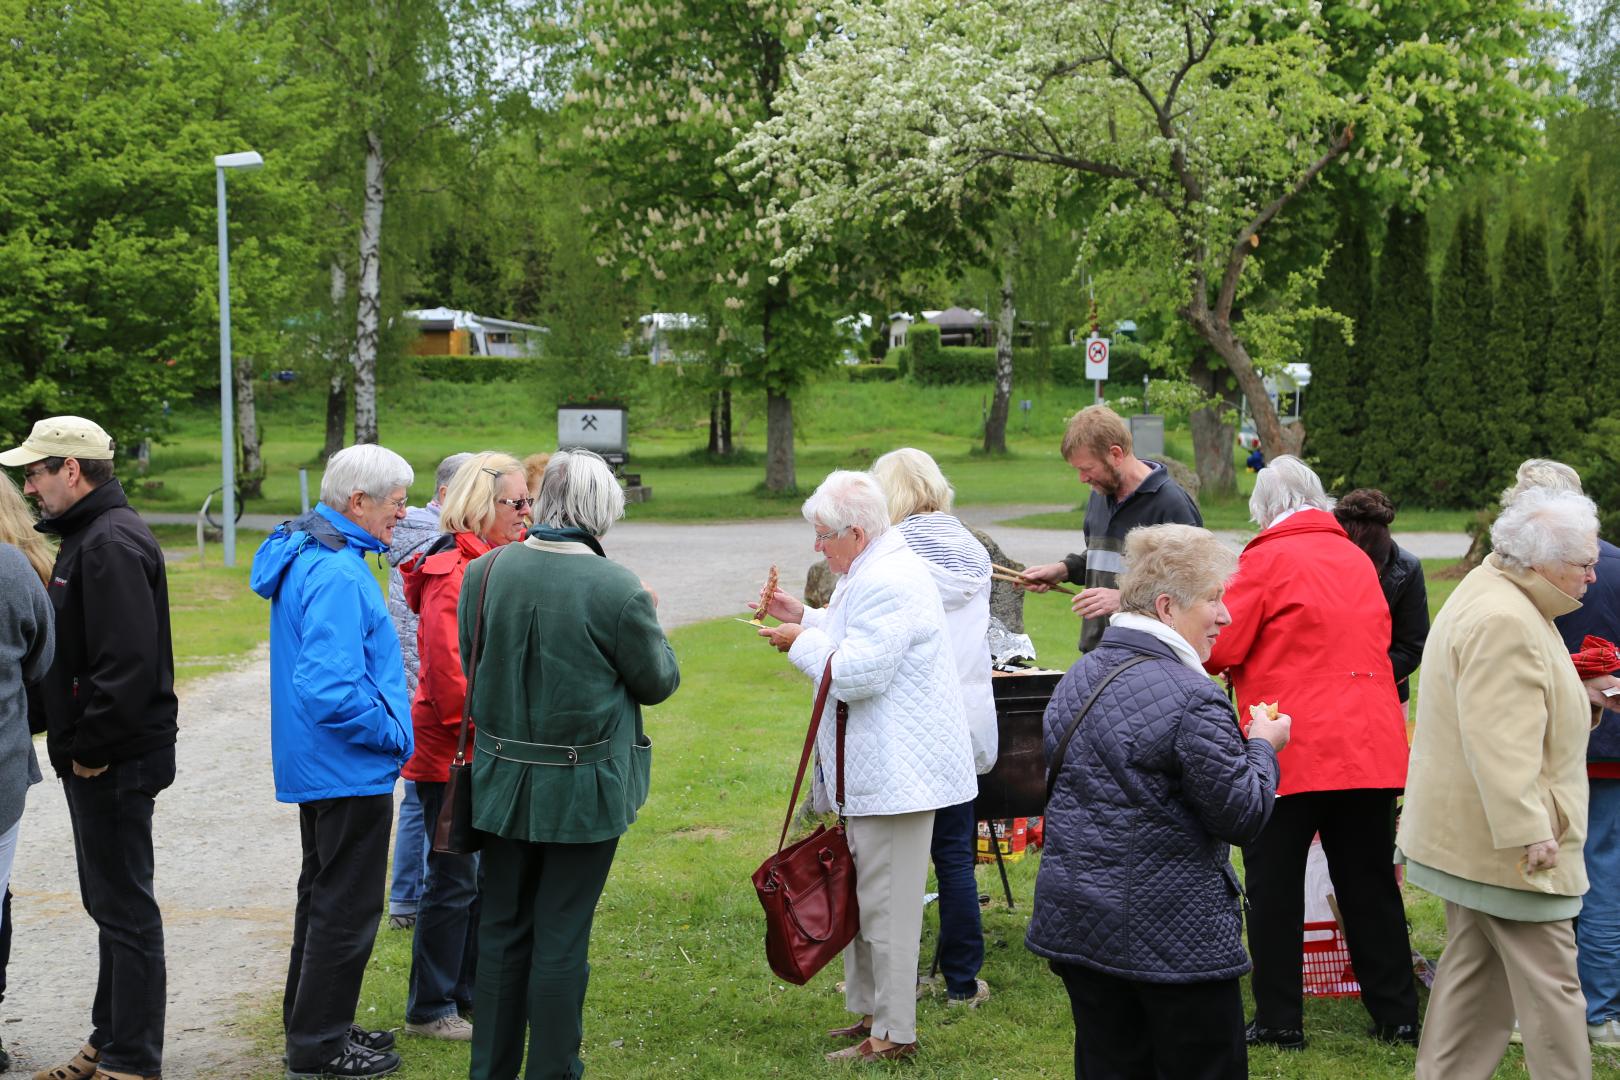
(110, 727)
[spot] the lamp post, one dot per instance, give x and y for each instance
(247, 159)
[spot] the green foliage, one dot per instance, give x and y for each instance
(1606, 380)
(1457, 434)
(900, 359)
(1518, 336)
(1599, 462)
(1569, 370)
(873, 373)
(923, 343)
(477, 369)
(959, 365)
(1397, 352)
(114, 110)
(1339, 369)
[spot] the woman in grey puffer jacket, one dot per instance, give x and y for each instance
(1136, 905)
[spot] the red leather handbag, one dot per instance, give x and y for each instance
(808, 890)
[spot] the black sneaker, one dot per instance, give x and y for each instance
(5, 1060)
(354, 1061)
(371, 1040)
(1396, 1033)
(1281, 1038)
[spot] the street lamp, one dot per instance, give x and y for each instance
(247, 159)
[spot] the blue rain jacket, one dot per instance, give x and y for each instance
(340, 720)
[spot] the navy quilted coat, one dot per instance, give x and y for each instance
(1156, 784)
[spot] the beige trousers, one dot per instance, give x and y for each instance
(880, 965)
(1492, 971)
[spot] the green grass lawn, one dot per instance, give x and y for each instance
(679, 984)
(838, 424)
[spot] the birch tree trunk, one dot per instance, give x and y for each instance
(368, 317)
(339, 365)
(995, 428)
(250, 477)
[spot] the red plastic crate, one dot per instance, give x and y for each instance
(1327, 962)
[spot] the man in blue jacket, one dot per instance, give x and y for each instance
(340, 727)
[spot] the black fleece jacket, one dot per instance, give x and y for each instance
(109, 694)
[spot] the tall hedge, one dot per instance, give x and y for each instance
(1454, 451)
(1338, 372)
(1569, 370)
(1503, 380)
(1606, 380)
(1397, 352)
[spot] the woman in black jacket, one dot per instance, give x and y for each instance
(1366, 514)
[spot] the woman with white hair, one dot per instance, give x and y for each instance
(919, 506)
(907, 749)
(1310, 633)
(484, 508)
(1496, 807)
(569, 651)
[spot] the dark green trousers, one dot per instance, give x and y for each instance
(533, 938)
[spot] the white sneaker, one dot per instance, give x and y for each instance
(1606, 1033)
(454, 1028)
(1516, 1038)
(980, 995)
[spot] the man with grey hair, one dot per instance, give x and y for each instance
(1597, 931)
(419, 528)
(340, 729)
(1496, 797)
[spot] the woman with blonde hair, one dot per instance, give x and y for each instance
(919, 500)
(17, 529)
(484, 508)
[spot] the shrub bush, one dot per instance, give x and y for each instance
(872, 373)
(957, 366)
(899, 358)
(923, 342)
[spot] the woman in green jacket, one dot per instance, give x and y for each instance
(571, 650)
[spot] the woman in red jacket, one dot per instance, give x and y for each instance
(1310, 632)
(485, 506)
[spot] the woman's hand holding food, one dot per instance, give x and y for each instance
(781, 637)
(783, 607)
(1266, 722)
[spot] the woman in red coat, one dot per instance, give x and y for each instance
(485, 506)
(1310, 633)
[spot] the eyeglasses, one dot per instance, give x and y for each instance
(823, 537)
(519, 505)
(35, 473)
(395, 504)
(1583, 567)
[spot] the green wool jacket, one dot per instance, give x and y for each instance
(571, 651)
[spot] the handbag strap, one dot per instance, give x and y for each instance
(809, 744)
(1063, 743)
(472, 667)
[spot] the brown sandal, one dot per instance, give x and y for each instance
(866, 1053)
(82, 1067)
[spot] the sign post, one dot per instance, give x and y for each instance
(1097, 362)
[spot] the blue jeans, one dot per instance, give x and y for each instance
(444, 951)
(410, 855)
(1597, 931)
(961, 939)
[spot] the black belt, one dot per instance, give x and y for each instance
(529, 753)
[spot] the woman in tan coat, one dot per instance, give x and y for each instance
(1496, 798)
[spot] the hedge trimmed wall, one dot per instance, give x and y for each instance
(968, 365)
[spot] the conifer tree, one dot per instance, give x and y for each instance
(1454, 450)
(1397, 352)
(1606, 378)
(1569, 367)
(1505, 379)
(1338, 374)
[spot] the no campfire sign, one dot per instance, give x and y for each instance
(1096, 358)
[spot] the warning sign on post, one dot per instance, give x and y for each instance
(1096, 357)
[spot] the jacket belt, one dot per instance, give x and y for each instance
(529, 753)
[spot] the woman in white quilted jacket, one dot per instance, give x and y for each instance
(907, 748)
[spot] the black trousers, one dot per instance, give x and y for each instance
(340, 900)
(112, 838)
(1129, 1030)
(1358, 838)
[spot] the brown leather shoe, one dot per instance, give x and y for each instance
(860, 1029)
(108, 1074)
(82, 1067)
(867, 1052)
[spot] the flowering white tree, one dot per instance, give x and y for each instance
(1200, 123)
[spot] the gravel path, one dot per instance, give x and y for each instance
(227, 852)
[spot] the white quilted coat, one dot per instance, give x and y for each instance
(907, 747)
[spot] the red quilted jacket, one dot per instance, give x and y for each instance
(1310, 631)
(432, 587)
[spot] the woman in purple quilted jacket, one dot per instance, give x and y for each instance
(1136, 906)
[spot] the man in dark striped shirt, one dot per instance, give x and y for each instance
(1126, 492)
